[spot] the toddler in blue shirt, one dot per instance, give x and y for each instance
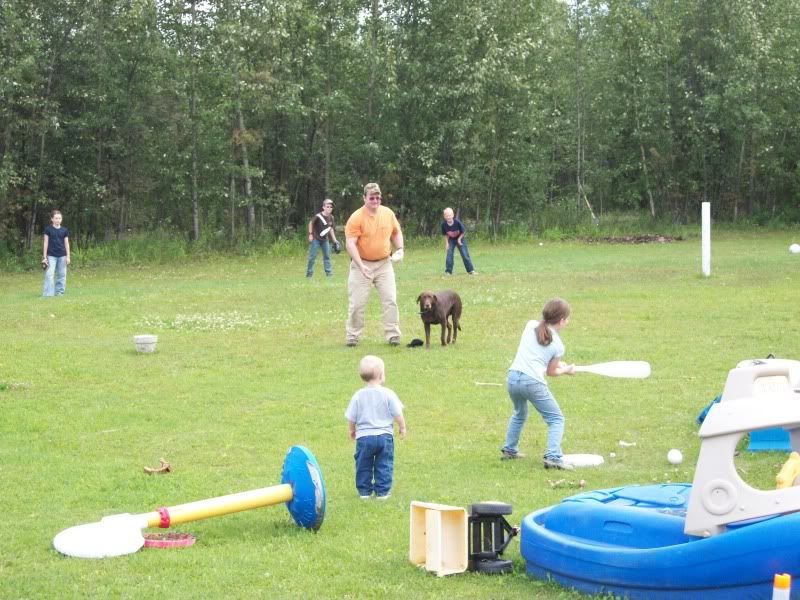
(370, 416)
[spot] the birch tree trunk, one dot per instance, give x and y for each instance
(42, 137)
(250, 210)
(193, 119)
(578, 107)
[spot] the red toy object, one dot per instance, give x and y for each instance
(169, 539)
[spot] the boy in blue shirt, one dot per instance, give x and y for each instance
(453, 231)
(370, 417)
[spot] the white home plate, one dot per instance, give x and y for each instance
(583, 460)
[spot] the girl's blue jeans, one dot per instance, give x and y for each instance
(56, 270)
(374, 464)
(523, 389)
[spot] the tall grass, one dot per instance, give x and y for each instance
(158, 247)
(251, 360)
(164, 245)
(550, 223)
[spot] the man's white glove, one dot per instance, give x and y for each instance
(398, 255)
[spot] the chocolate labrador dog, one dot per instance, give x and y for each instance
(436, 308)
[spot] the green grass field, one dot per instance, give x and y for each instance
(251, 360)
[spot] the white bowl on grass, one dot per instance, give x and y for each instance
(145, 343)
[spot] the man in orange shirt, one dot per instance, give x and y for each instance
(370, 231)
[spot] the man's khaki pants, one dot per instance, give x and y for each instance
(358, 288)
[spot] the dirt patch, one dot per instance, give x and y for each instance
(636, 239)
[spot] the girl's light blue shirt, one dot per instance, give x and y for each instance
(533, 358)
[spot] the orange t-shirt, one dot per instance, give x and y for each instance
(374, 233)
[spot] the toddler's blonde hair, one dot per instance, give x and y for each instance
(370, 368)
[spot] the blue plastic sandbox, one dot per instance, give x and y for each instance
(630, 541)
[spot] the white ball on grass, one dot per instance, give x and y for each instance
(794, 248)
(674, 456)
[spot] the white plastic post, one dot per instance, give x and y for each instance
(706, 236)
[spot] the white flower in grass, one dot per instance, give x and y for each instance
(221, 321)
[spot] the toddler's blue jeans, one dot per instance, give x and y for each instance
(374, 464)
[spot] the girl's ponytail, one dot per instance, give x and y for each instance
(543, 334)
(555, 310)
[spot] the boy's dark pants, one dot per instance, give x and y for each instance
(463, 250)
(374, 464)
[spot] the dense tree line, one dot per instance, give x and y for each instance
(225, 118)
